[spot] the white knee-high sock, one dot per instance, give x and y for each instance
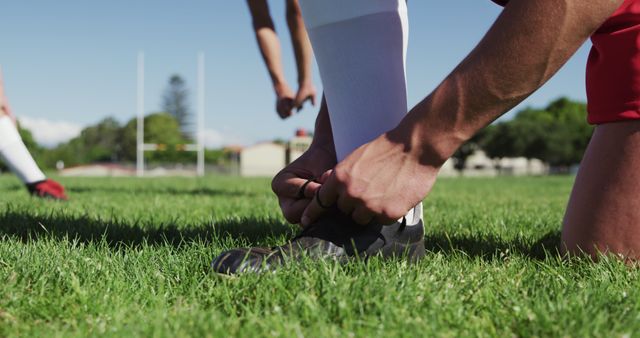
(15, 154)
(361, 47)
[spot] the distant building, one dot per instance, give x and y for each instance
(298, 145)
(479, 164)
(519, 166)
(268, 158)
(448, 169)
(98, 170)
(262, 159)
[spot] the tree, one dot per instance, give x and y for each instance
(175, 102)
(159, 128)
(558, 134)
(97, 143)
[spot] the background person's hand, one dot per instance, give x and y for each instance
(287, 184)
(380, 181)
(285, 98)
(306, 92)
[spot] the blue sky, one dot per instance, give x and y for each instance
(70, 63)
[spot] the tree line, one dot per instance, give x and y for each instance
(557, 134)
(109, 141)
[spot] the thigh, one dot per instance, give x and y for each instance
(603, 214)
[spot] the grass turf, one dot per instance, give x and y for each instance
(130, 257)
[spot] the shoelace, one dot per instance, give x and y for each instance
(403, 224)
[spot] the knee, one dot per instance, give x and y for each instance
(587, 245)
(571, 246)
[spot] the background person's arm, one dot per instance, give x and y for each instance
(527, 44)
(269, 45)
(303, 53)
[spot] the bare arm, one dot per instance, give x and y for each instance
(303, 53)
(528, 43)
(269, 45)
(268, 41)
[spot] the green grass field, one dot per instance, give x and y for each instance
(130, 257)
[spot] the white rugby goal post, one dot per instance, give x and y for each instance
(198, 147)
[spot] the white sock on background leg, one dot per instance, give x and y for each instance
(15, 154)
(361, 47)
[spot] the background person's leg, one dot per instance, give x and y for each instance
(12, 150)
(360, 47)
(17, 157)
(603, 214)
(15, 154)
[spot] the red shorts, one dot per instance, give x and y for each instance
(613, 68)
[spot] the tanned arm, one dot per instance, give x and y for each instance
(528, 43)
(303, 54)
(269, 45)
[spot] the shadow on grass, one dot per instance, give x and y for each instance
(160, 190)
(492, 247)
(119, 233)
(251, 231)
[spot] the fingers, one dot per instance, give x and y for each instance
(284, 107)
(362, 215)
(325, 176)
(344, 205)
(303, 96)
(299, 102)
(289, 186)
(294, 194)
(313, 99)
(292, 209)
(324, 198)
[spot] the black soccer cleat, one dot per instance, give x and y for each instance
(333, 237)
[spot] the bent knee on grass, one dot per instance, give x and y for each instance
(603, 214)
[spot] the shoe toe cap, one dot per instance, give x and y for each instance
(242, 260)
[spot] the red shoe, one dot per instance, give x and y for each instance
(47, 189)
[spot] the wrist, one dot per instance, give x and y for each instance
(280, 87)
(305, 81)
(430, 139)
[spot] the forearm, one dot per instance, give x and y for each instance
(268, 41)
(270, 50)
(300, 42)
(528, 43)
